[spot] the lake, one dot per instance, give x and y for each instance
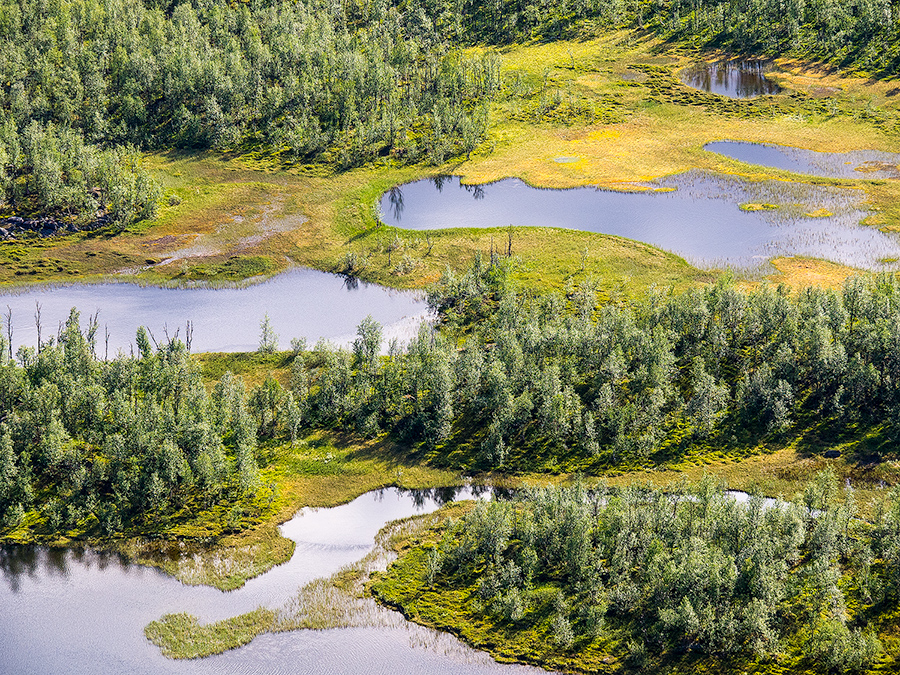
(300, 303)
(74, 612)
(704, 217)
(738, 78)
(865, 164)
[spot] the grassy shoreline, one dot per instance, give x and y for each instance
(410, 587)
(232, 218)
(244, 218)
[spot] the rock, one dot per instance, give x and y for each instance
(831, 454)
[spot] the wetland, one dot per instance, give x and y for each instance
(82, 611)
(858, 164)
(610, 109)
(735, 78)
(711, 220)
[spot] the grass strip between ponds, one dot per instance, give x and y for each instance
(181, 636)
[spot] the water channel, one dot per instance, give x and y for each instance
(73, 612)
(300, 303)
(858, 164)
(738, 78)
(711, 220)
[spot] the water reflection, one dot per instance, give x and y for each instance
(477, 191)
(395, 198)
(77, 611)
(299, 303)
(743, 78)
(856, 164)
(712, 220)
(439, 181)
(446, 495)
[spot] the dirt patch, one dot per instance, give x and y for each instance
(238, 235)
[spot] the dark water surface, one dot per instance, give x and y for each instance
(734, 79)
(71, 612)
(699, 217)
(856, 164)
(300, 303)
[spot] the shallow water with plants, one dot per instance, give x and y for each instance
(299, 303)
(711, 220)
(80, 611)
(865, 164)
(737, 78)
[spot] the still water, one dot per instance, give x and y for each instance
(73, 612)
(857, 164)
(300, 303)
(696, 215)
(734, 79)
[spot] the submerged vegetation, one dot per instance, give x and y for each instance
(639, 580)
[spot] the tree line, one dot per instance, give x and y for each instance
(342, 83)
(312, 80)
(511, 382)
(690, 573)
(49, 169)
(337, 82)
(517, 382)
(107, 446)
(860, 33)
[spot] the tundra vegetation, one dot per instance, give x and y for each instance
(105, 106)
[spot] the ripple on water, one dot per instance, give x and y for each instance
(696, 215)
(74, 612)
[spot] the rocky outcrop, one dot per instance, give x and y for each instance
(12, 226)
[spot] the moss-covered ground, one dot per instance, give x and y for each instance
(452, 604)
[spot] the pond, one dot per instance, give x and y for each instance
(711, 220)
(72, 611)
(737, 78)
(867, 164)
(300, 303)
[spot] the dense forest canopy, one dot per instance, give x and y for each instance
(117, 444)
(862, 33)
(521, 382)
(305, 78)
(652, 578)
(84, 81)
(511, 382)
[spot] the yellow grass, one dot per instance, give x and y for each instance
(219, 208)
(803, 272)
